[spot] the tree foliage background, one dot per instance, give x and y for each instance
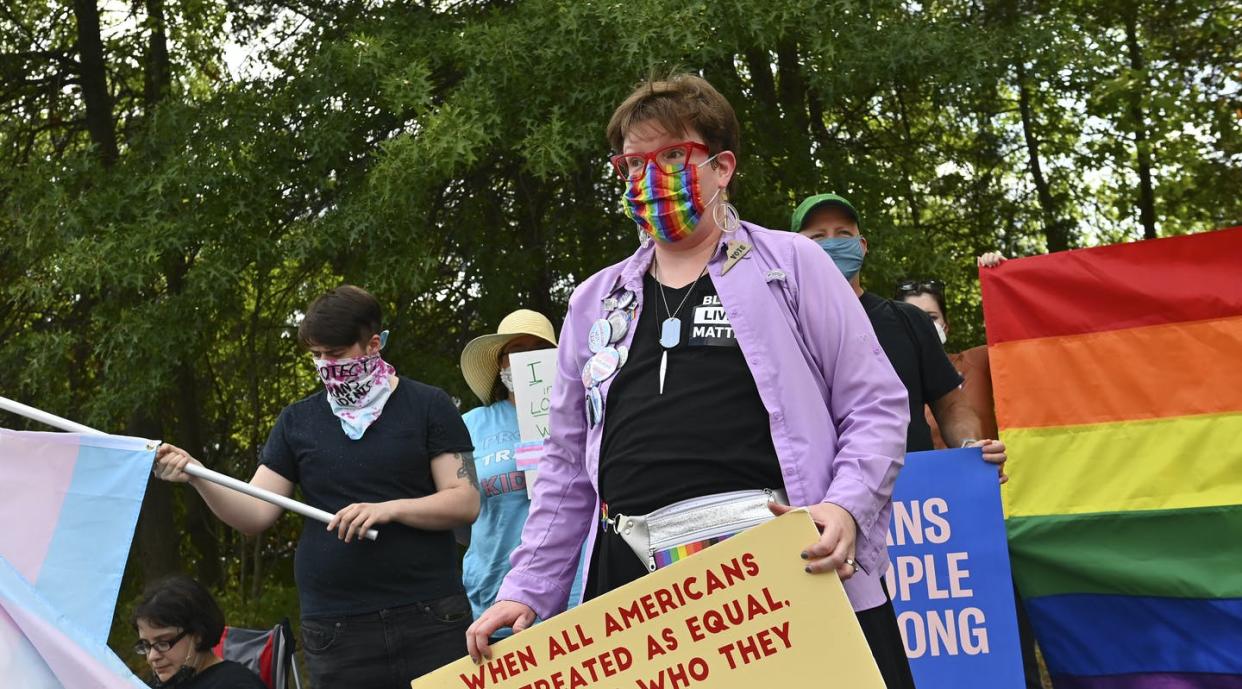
(179, 177)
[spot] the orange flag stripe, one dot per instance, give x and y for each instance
(1153, 372)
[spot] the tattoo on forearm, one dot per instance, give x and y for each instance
(467, 469)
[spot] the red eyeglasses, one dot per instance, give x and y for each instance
(670, 160)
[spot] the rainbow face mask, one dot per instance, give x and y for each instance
(667, 206)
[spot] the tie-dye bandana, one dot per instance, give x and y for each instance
(665, 206)
(357, 390)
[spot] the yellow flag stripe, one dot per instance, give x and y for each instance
(1160, 464)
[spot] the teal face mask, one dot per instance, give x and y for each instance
(846, 252)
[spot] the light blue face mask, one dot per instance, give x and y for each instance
(846, 252)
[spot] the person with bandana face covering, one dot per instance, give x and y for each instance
(178, 623)
(376, 450)
(719, 357)
(909, 338)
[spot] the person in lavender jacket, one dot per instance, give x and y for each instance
(720, 356)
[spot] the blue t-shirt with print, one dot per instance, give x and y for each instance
(502, 512)
(503, 508)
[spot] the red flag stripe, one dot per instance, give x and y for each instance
(1178, 279)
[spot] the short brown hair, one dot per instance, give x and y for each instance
(678, 103)
(179, 601)
(339, 318)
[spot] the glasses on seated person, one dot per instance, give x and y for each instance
(143, 647)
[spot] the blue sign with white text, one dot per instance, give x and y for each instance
(949, 576)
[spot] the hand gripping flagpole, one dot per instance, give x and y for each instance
(191, 469)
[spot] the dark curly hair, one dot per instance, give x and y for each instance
(181, 602)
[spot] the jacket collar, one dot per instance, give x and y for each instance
(639, 262)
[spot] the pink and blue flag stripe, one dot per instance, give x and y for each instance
(70, 503)
(528, 455)
(41, 648)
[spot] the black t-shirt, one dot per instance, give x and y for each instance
(909, 339)
(708, 433)
(391, 461)
(223, 675)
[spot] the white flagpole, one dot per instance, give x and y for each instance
(192, 469)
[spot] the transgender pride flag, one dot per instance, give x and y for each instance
(68, 506)
(42, 649)
(1118, 383)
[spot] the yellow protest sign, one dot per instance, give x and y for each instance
(741, 613)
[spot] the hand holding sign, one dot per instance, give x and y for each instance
(504, 613)
(950, 572)
(834, 551)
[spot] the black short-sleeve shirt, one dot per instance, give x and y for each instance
(391, 461)
(909, 339)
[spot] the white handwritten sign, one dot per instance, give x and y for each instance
(533, 373)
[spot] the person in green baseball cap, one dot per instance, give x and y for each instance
(905, 332)
(831, 221)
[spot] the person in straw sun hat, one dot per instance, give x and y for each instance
(487, 356)
(494, 430)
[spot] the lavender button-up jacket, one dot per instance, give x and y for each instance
(837, 410)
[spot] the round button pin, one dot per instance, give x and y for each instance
(619, 321)
(600, 335)
(604, 364)
(597, 404)
(625, 354)
(625, 299)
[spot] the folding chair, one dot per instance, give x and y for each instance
(268, 652)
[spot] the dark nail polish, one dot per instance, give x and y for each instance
(805, 556)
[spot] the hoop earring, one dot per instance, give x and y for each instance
(726, 216)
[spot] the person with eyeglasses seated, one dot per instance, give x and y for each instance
(178, 623)
(905, 332)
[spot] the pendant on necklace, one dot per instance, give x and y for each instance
(663, 368)
(670, 333)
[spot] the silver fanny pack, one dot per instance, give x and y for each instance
(683, 528)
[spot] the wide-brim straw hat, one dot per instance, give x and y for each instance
(480, 360)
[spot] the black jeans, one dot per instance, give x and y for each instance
(388, 648)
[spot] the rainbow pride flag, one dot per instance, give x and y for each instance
(1118, 382)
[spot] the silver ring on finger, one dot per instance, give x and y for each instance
(850, 561)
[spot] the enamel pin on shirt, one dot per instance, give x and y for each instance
(734, 252)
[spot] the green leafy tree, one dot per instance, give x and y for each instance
(179, 178)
